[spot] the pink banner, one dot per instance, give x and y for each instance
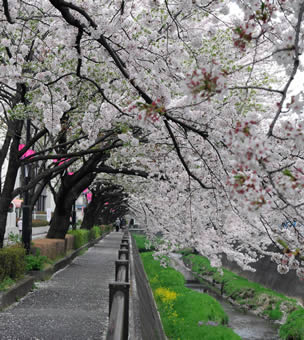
(89, 196)
(27, 153)
(62, 160)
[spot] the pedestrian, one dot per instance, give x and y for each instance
(19, 225)
(117, 224)
(131, 223)
(123, 223)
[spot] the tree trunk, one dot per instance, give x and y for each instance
(59, 224)
(91, 214)
(10, 178)
(3, 218)
(71, 188)
(88, 219)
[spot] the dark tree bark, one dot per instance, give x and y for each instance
(105, 197)
(69, 191)
(89, 217)
(6, 195)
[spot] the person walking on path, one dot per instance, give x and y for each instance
(117, 224)
(131, 223)
(19, 225)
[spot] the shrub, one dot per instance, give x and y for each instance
(36, 261)
(105, 228)
(81, 237)
(39, 223)
(12, 262)
(94, 233)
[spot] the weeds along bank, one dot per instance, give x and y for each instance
(249, 295)
(197, 317)
(185, 314)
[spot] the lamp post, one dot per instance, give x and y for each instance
(26, 209)
(74, 216)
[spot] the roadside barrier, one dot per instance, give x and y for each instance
(119, 294)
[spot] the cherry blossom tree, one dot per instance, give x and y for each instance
(209, 91)
(107, 199)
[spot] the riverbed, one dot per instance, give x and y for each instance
(247, 325)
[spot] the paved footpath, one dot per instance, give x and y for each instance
(72, 305)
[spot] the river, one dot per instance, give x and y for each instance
(247, 325)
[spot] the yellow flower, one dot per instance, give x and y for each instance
(165, 295)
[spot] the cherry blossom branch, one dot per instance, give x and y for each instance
(203, 134)
(293, 72)
(255, 88)
(101, 91)
(181, 157)
(6, 12)
(109, 170)
(35, 158)
(59, 78)
(36, 179)
(78, 48)
(63, 7)
(263, 221)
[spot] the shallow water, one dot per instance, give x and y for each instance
(246, 325)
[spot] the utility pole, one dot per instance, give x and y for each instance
(26, 210)
(74, 216)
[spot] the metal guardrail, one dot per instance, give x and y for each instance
(119, 295)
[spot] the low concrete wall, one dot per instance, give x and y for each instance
(53, 248)
(69, 242)
(267, 275)
(146, 318)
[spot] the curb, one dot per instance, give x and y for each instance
(20, 289)
(25, 285)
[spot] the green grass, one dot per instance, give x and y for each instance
(238, 288)
(254, 296)
(142, 243)
(6, 284)
(83, 251)
(36, 261)
(293, 329)
(184, 312)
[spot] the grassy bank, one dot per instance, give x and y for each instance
(185, 314)
(250, 295)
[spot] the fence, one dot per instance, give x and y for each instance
(119, 294)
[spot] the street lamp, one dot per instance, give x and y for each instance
(74, 216)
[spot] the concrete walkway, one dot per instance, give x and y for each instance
(72, 305)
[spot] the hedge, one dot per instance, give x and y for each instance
(94, 233)
(12, 262)
(39, 223)
(83, 236)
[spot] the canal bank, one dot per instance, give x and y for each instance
(244, 323)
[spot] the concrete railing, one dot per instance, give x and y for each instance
(119, 294)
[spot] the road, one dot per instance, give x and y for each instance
(37, 232)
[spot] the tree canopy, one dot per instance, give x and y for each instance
(200, 97)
